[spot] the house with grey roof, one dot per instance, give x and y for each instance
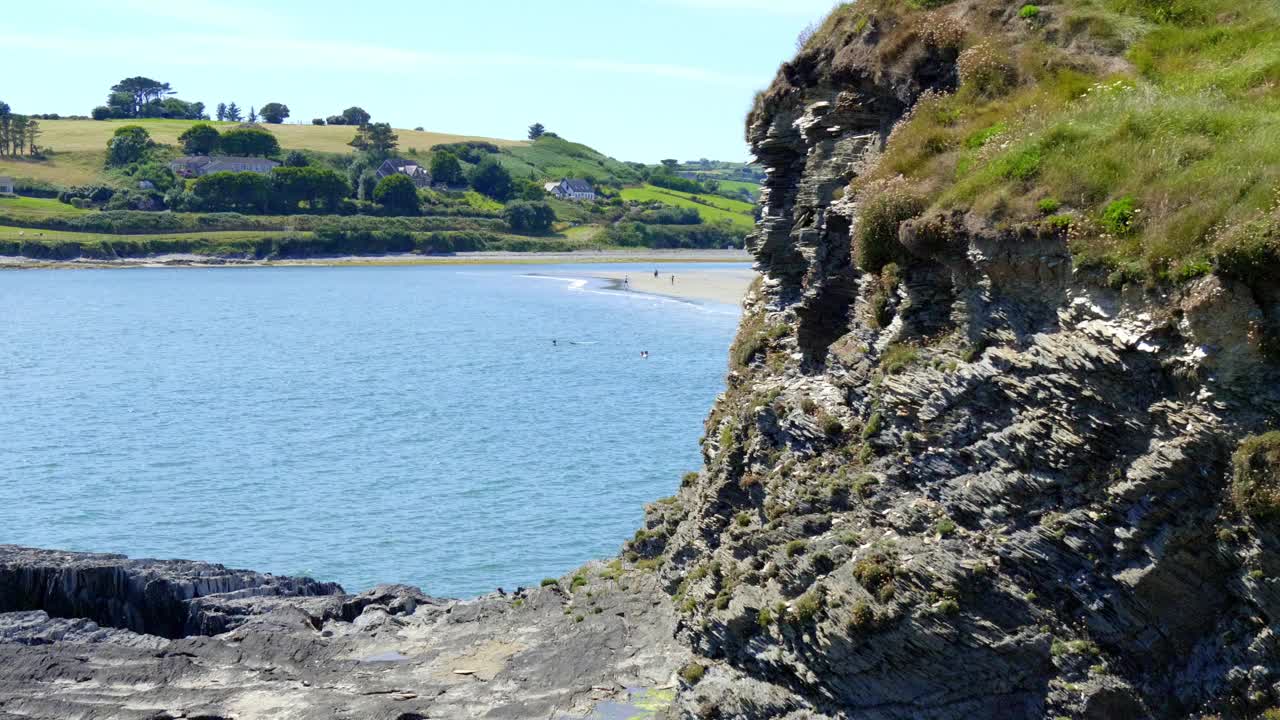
(201, 165)
(420, 176)
(570, 189)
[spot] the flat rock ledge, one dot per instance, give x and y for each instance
(89, 636)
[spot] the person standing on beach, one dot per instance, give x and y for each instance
(655, 273)
(673, 278)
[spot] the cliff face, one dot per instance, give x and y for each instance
(980, 482)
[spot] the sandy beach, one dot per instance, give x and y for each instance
(718, 285)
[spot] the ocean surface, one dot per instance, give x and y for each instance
(360, 425)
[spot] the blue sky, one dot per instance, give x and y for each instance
(637, 79)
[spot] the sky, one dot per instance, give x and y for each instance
(638, 80)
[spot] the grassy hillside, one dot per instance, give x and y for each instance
(1145, 131)
(711, 208)
(92, 135)
(553, 157)
(78, 150)
(78, 146)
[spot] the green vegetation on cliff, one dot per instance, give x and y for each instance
(1147, 131)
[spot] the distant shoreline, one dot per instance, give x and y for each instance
(639, 255)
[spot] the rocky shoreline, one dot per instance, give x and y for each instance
(86, 635)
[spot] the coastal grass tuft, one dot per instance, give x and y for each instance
(692, 673)
(1255, 484)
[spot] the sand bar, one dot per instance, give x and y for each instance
(725, 286)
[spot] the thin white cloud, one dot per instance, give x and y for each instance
(229, 50)
(192, 13)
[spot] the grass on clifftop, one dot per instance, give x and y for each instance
(1148, 131)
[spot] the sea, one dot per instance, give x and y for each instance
(457, 428)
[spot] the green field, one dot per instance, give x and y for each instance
(92, 135)
(36, 207)
(78, 147)
(716, 208)
(739, 186)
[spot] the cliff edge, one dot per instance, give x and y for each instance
(996, 440)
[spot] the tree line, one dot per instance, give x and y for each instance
(18, 133)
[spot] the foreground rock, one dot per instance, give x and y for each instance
(294, 648)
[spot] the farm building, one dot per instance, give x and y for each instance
(6, 185)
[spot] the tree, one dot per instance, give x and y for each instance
(536, 131)
(336, 120)
(490, 178)
(222, 112)
(377, 139)
(317, 121)
(233, 113)
(199, 139)
(366, 184)
(130, 144)
(17, 135)
(274, 112)
(530, 218)
(143, 92)
(121, 105)
(531, 190)
(6, 122)
(228, 191)
(670, 164)
(398, 194)
(253, 115)
(315, 186)
(356, 115)
(102, 112)
(249, 141)
(33, 133)
(181, 109)
(297, 159)
(446, 169)
(156, 173)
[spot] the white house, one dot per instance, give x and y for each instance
(6, 185)
(568, 189)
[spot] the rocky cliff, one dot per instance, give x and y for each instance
(985, 451)
(963, 473)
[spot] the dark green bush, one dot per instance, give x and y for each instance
(532, 218)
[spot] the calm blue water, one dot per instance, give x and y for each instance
(362, 425)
